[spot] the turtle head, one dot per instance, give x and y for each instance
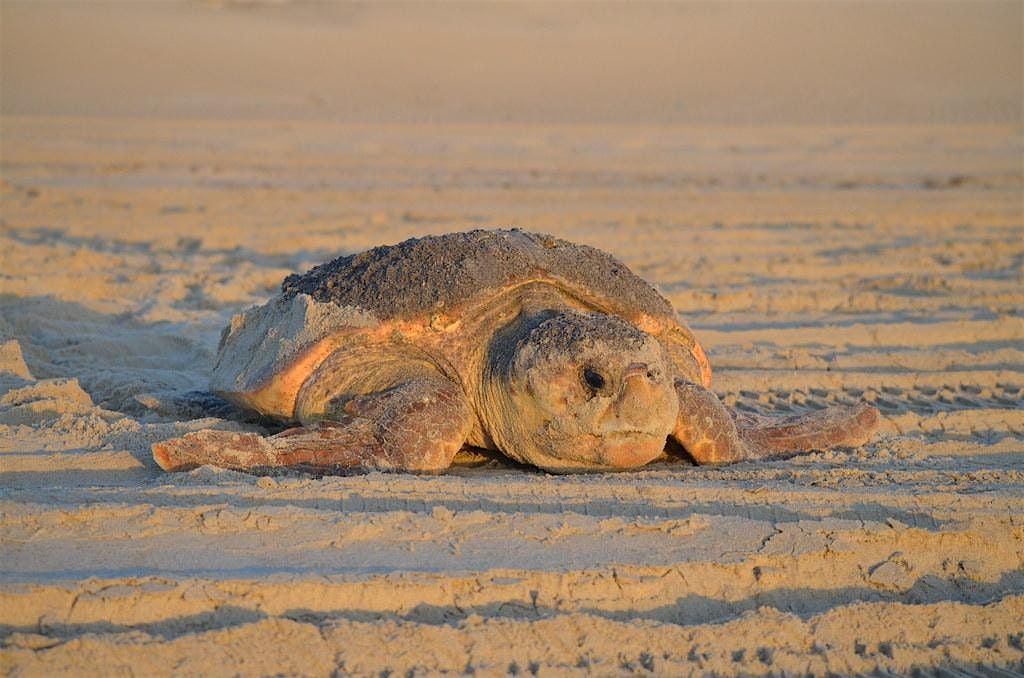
(584, 391)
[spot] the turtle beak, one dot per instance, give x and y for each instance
(638, 420)
(637, 396)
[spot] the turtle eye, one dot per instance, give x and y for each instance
(594, 379)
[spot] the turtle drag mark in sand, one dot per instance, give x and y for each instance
(552, 353)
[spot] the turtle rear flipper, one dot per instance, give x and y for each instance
(416, 426)
(712, 434)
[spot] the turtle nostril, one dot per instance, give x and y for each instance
(638, 370)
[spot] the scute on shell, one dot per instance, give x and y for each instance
(267, 351)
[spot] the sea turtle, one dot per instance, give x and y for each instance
(552, 353)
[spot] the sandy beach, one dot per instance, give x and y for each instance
(826, 254)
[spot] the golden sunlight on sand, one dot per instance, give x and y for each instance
(830, 194)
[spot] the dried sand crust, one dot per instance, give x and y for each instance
(809, 274)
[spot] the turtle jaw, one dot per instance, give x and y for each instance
(591, 453)
(559, 444)
(575, 443)
(629, 449)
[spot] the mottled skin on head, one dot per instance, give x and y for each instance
(552, 353)
(580, 391)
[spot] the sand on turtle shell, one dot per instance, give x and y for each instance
(266, 338)
(418, 277)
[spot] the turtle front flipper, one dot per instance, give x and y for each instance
(418, 425)
(714, 434)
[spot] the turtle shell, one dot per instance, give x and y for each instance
(266, 352)
(422, 276)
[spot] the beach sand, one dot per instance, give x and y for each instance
(819, 259)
